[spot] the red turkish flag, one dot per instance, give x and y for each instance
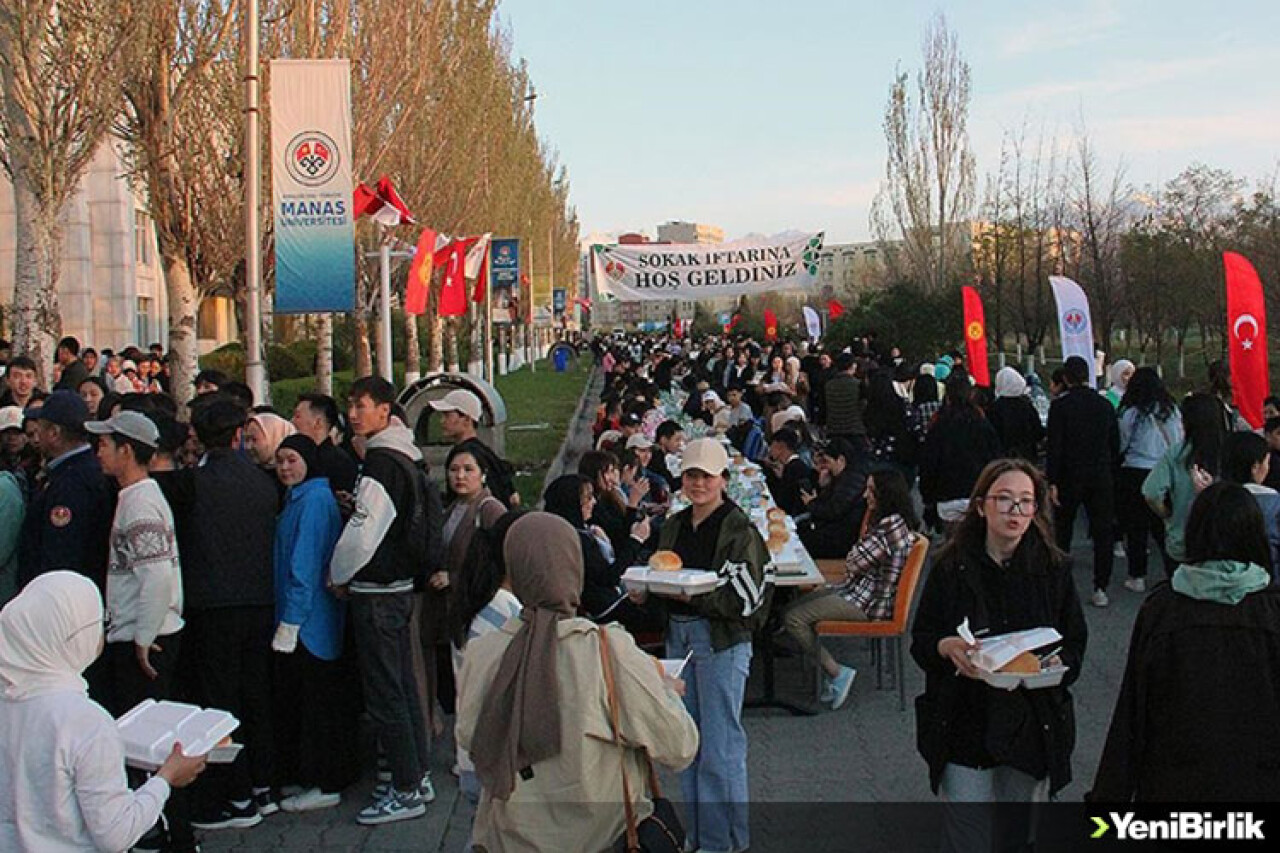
(975, 337)
(770, 325)
(1247, 337)
(834, 309)
(453, 294)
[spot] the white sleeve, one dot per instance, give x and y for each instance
(114, 816)
(363, 533)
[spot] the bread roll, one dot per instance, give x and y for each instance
(666, 561)
(1025, 663)
(775, 543)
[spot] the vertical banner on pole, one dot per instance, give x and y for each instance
(975, 336)
(1247, 337)
(311, 185)
(1075, 326)
(504, 277)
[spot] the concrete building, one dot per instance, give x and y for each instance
(111, 291)
(850, 268)
(689, 232)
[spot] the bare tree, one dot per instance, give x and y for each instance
(181, 130)
(929, 174)
(61, 64)
(1101, 209)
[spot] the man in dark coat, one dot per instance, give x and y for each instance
(1084, 445)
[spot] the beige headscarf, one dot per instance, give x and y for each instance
(276, 429)
(519, 722)
(49, 634)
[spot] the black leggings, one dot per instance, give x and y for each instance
(1137, 520)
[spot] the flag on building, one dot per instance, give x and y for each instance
(975, 336)
(1247, 337)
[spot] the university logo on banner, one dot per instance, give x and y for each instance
(706, 271)
(312, 185)
(504, 277)
(1075, 326)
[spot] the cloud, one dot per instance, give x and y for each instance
(1250, 126)
(1078, 25)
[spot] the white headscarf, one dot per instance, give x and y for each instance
(49, 634)
(275, 429)
(1009, 383)
(1118, 370)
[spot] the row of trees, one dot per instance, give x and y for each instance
(1148, 257)
(439, 103)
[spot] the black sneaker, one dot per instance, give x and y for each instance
(266, 802)
(229, 816)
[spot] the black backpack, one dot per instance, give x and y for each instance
(423, 527)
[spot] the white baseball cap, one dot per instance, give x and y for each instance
(459, 400)
(639, 441)
(10, 418)
(705, 454)
(133, 425)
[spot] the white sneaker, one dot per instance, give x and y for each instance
(1135, 584)
(310, 800)
(1099, 598)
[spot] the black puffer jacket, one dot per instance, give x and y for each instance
(835, 516)
(964, 721)
(955, 452)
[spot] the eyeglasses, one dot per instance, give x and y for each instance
(1011, 506)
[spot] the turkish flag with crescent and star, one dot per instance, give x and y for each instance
(975, 337)
(1246, 337)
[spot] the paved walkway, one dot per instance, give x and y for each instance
(865, 753)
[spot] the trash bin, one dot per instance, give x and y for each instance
(560, 358)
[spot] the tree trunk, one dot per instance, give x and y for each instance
(435, 357)
(183, 304)
(413, 350)
(364, 358)
(37, 319)
(451, 345)
(324, 355)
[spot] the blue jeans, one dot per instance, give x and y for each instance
(715, 785)
(992, 809)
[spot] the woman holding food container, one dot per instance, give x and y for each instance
(715, 628)
(1000, 573)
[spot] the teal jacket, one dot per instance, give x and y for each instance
(12, 511)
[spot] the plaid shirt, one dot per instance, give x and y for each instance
(873, 567)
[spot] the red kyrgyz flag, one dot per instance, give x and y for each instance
(834, 309)
(419, 284)
(770, 325)
(1247, 337)
(975, 337)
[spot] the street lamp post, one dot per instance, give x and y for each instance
(255, 373)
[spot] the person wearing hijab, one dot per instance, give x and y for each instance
(1121, 372)
(1014, 416)
(62, 773)
(533, 709)
(314, 730)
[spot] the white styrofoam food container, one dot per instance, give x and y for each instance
(149, 731)
(690, 581)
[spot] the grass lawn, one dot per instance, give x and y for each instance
(539, 407)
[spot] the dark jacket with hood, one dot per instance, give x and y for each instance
(956, 450)
(964, 721)
(835, 516)
(1198, 715)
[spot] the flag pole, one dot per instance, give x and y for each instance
(255, 373)
(487, 308)
(384, 308)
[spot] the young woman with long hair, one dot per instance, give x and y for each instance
(870, 586)
(1198, 715)
(1000, 571)
(1150, 426)
(1186, 468)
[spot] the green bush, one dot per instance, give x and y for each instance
(290, 362)
(920, 323)
(229, 358)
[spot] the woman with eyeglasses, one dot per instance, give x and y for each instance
(1001, 571)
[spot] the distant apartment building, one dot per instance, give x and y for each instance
(689, 232)
(850, 268)
(111, 291)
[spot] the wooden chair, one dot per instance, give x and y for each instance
(885, 629)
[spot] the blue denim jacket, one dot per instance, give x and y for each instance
(1144, 439)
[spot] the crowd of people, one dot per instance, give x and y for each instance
(303, 571)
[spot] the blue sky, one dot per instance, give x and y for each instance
(765, 116)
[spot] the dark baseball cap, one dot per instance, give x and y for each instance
(64, 408)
